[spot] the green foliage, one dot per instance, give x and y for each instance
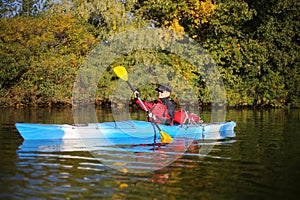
(40, 56)
(182, 16)
(148, 68)
(254, 58)
(254, 43)
(280, 28)
(108, 16)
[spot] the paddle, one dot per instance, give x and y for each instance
(122, 73)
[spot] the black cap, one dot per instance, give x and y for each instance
(164, 87)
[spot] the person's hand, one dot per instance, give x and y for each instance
(136, 94)
(152, 116)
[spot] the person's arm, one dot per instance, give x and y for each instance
(147, 104)
(136, 100)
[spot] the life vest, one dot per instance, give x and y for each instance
(160, 111)
(184, 117)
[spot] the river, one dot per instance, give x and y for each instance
(261, 162)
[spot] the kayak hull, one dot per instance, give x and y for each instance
(125, 130)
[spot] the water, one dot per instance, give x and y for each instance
(262, 162)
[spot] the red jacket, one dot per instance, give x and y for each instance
(163, 110)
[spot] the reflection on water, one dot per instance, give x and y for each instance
(112, 174)
(262, 162)
(125, 158)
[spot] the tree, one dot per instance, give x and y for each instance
(255, 44)
(40, 56)
(279, 27)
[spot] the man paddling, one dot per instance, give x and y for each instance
(161, 110)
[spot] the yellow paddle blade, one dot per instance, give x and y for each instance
(121, 72)
(165, 138)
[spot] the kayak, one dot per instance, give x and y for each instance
(130, 131)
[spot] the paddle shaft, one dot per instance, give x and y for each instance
(131, 87)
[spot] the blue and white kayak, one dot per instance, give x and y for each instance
(125, 131)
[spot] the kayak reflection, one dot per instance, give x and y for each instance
(134, 158)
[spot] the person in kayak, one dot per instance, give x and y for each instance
(161, 110)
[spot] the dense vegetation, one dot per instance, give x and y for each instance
(254, 43)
